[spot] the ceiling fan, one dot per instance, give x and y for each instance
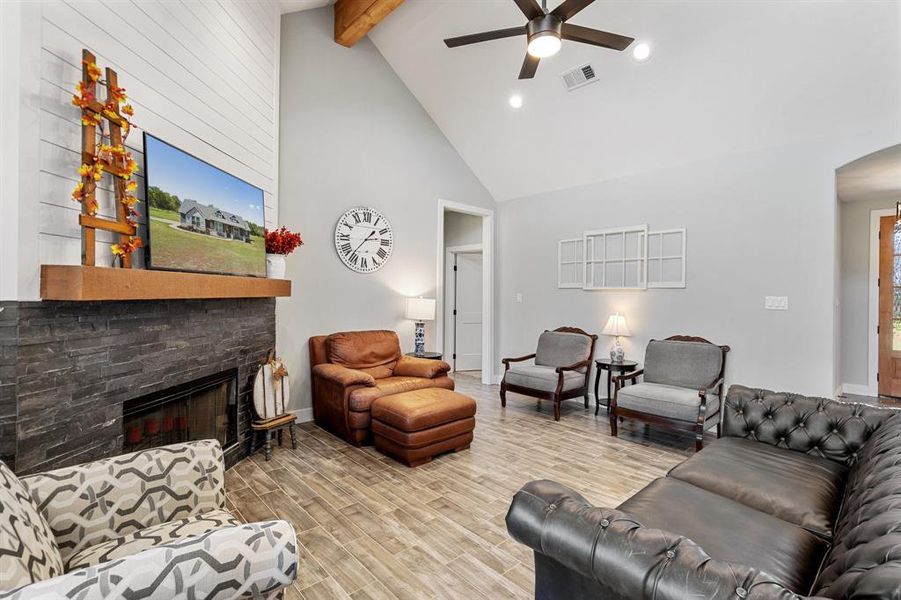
(545, 30)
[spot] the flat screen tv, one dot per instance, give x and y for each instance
(200, 218)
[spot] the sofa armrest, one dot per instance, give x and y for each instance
(249, 561)
(342, 375)
(411, 366)
(631, 560)
(106, 499)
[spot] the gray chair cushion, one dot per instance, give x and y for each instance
(684, 364)
(561, 349)
(540, 377)
(666, 401)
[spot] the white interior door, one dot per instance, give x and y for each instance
(468, 312)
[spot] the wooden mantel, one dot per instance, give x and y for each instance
(354, 18)
(69, 282)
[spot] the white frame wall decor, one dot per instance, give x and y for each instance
(570, 252)
(609, 249)
(661, 253)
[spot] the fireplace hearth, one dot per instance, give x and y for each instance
(205, 408)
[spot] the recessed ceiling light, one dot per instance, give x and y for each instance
(641, 52)
(516, 101)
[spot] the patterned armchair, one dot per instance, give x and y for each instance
(150, 525)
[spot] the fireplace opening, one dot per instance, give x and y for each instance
(205, 408)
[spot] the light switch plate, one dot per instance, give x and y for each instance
(518, 297)
(775, 303)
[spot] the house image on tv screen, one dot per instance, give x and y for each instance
(206, 218)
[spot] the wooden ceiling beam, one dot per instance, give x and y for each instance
(354, 18)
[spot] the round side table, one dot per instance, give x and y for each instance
(430, 355)
(605, 364)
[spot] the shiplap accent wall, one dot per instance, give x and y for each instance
(201, 74)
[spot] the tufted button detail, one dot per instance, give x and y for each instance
(605, 523)
(782, 439)
(835, 430)
(802, 425)
(670, 554)
(551, 507)
(741, 592)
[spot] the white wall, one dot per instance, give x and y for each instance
(352, 134)
(202, 76)
(855, 287)
(759, 223)
(461, 229)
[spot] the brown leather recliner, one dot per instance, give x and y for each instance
(353, 368)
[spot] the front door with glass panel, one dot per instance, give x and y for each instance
(889, 307)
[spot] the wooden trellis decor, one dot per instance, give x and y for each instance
(97, 161)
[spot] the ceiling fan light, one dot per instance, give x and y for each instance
(544, 44)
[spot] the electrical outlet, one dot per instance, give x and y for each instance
(775, 303)
(518, 297)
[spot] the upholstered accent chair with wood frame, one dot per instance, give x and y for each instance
(683, 384)
(560, 368)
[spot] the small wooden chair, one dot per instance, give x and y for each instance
(276, 424)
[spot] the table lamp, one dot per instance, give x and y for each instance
(420, 310)
(616, 326)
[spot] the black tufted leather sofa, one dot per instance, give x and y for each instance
(800, 498)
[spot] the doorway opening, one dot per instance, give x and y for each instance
(870, 274)
(465, 288)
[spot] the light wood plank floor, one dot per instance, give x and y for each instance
(369, 527)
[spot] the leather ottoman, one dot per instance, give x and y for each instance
(414, 426)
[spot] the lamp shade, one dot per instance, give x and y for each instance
(616, 325)
(420, 309)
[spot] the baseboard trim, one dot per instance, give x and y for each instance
(303, 415)
(497, 379)
(855, 388)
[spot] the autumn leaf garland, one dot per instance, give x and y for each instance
(114, 108)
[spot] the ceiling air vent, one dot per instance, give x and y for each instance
(579, 77)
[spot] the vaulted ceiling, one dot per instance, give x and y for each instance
(724, 78)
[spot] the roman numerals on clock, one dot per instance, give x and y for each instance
(363, 239)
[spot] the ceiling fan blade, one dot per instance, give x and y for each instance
(485, 36)
(529, 66)
(595, 37)
(530, 8)
(570, 8)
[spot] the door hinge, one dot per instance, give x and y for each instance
(455, 267)
(877, 330)
(455, 312)
(455, 357)
(879, 282)
(877, 377)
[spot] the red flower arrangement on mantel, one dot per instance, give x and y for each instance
(280, 243)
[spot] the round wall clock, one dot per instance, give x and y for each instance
(363, 239)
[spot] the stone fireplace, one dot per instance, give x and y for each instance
(71, 375)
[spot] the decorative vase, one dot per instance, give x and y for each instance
(275, 266)
(419, 338)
